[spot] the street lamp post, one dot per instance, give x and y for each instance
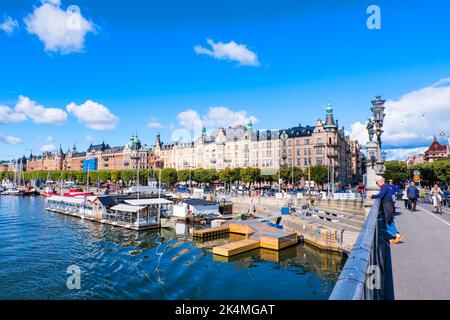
(375, 156)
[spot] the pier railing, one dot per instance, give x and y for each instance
(367, 274)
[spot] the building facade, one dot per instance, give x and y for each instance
(242, 146)
(132, 156)
(435, 152)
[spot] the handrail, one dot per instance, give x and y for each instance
(367, 273)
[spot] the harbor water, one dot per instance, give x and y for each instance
(38, 247)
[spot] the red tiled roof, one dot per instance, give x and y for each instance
(436, 146)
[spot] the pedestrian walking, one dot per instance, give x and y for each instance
(405, 195)
(436, 195)
(413, 195)
(394, 190)
(385, 195)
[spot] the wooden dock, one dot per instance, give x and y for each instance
(211, 232)
(234, 248)
(257, 235)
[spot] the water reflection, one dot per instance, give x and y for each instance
(38, 246)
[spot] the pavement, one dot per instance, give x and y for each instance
(421, 263)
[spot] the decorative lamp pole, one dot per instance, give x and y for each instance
(375, 156)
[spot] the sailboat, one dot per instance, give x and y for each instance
(49, 189)
(18, 173)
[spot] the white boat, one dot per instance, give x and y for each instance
(13, 192)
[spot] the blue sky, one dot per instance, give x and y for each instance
(140, 64)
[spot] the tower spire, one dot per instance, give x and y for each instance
(329, 121)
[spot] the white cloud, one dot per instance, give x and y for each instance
(155, 124)
(8, 115)
(94, 115)
(38, 113)
(60, 31)
(414, 118)
(190, 120)
(229, 51)
(224, 117)
(28, 109)
(403, 153)
(9, 25)
(47, 148)
(216, 117)
(9, 139)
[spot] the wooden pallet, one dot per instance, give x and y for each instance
(234, 248)
(278, 243)
(211, 232)
(241, 229)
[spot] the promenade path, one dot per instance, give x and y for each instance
(421, 263)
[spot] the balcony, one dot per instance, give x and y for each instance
(332, 145)
(332, 154)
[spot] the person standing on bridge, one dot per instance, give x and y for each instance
(413, 194)
(388, 207)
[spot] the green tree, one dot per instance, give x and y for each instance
(183, 175)
(105, 175)
(127, 175)
(115, 176)
(319, 174)
(169, 176)
(397, 171)
(250, 175)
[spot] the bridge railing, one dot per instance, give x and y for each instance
(367, 274)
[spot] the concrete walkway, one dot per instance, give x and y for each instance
(421, 264)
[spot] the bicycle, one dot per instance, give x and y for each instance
(438, 206)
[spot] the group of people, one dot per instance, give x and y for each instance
(410, 195)
(388, 195)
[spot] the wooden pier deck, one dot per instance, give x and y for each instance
(211, 232)
(257, 235)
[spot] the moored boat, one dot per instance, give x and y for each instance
(77, 192)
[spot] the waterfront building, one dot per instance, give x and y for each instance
(4, 166)
(242, 146)
(132, 156)
(436, 152)
(415, 160)
(48, 161)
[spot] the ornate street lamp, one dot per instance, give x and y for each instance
(378, 116)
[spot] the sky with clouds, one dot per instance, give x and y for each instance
(82, 71)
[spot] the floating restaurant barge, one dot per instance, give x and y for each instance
(130, 213)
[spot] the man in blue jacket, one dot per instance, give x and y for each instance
(387, 205)
(413, 194)
(394, 189)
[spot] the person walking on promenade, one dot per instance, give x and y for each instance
(394, 190)
(413, 195)
(385, 195)
(436, 195)
(405, 195)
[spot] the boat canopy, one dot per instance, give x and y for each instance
(66, 199)
(146, 202)
(127, 208)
